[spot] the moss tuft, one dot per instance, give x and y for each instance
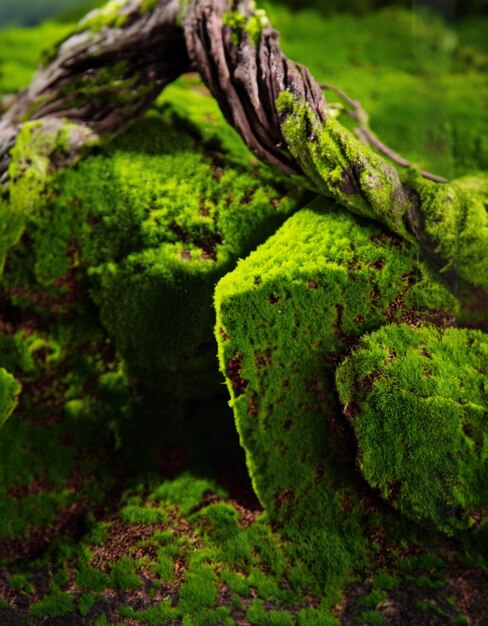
(56, 604)
(418, 400)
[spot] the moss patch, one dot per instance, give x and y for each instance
(417, 400)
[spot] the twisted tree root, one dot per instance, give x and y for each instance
(121, 56)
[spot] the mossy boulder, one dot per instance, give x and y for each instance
(417, 399)
(285, 317)
(147, 226)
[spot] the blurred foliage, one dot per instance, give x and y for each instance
(448, 8)
(30, 12)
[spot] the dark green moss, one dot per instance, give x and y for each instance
(417, 399)
(56, 604)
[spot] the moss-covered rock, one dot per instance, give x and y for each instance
(418, 402)
(150, 224)
(285, 316)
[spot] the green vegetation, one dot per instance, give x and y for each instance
(285, 316)
(9, 391)
(152, 227)
(417, 400)
(124, 492)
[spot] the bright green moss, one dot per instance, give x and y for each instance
(285, 316)
(316, 617)
(91, 579)
(455, 218)
(86, 602)
(342, 167)
(198, 590)
(186, 491)
(110, 15)
(184, 213)
(155, 616)
(20, 50)
(252, 24)
(417, 400)
(134, 514)
(257, 614)
(9, 392)
(423, 90)
(38, 143)
(56, 604)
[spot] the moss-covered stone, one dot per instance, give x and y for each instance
(154, 221)
(418, 402)
(285, 316)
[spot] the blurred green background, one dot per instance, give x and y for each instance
(30, 12)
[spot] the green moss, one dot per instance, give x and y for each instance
(9, 392)
(455, 218)
(198, 590)
(284, 317)
(417, 401)
(111, 15)
(21, 583)
(339, 165)
(422, 89)
(91, 579)
(134, 514)
(155, 616)
(38, 143)
(183, 218)
(123, 575)
(252, 24)
(148, 5)
(371, 618)
(316, 617)
(56, 604)
(86, 603)
(186, 491)
(257, 614)
(21, 48)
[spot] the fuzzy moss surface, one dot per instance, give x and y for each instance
(418, 403)
(455, 218)
(184, 214)
(285, 316)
